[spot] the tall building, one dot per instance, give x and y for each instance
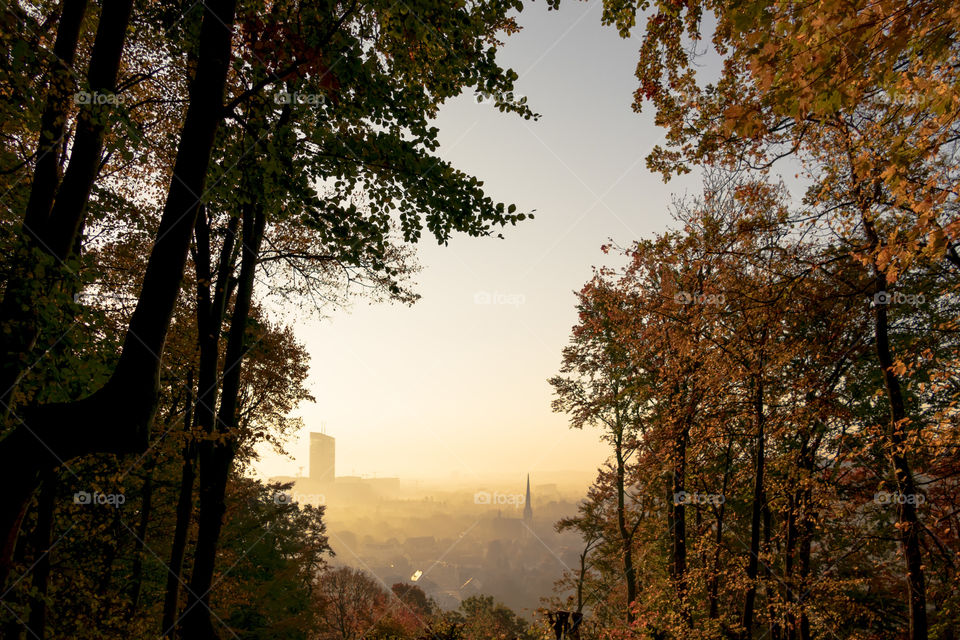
(527, 509)
(322, 457)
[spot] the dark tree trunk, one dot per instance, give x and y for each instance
(908, 523)
(908, 526)
(713, 587)
(14, 627)
(60, 87)
(184, 511)
(55, 232)
(19, 315)
(797, 548)
(136, 573)
(626, 536)
(804, 560)
(806, 540)
(216, 456)
(582, 576)
(211, 307)
(215, 461)
(679, 564)
(42, 539)
(774, 628)
(679, 517)
(789, 553)
(117, 418)
(755, 515)
(66, 217)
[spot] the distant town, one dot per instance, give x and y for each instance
(453, 541)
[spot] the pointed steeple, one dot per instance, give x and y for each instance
(527, 509)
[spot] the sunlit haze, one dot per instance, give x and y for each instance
(455, 387)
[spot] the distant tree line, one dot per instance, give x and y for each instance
(353, 605)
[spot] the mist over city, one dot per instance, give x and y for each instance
(453, 538)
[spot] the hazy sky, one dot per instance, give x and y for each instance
(452, 386)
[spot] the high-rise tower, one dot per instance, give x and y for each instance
(322, 457)
(527, 509)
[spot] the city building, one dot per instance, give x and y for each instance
(527, 509)
(323, 458)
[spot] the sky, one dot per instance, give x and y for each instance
(456, 384)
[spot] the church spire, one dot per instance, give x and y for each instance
(527, 509)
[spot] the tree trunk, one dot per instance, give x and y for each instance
(211, 307)
(756, 513)
(216, 455)
(215, 462)
(42, 538)
(136, 573)
(582, 576)
(714, 583)
(14, 628)
(797, 548)
(679, 564)
(184, 511)
(789, 551)
(806, 541)
(774, 628)
(54, 212)
(626, 538)
(907, 521)
(19, 316)
(66, 217)
(53, 119)
(19, 311)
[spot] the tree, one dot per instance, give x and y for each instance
(865, 95)
(598, 386)
(130, 393)
(486, 619)
(349, 603)
(786, 451)
(370, 139)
